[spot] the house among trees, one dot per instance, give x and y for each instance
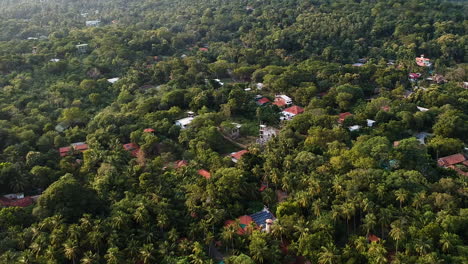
(17, 200)
(457, 162)
(263, 101)
(206, 174)
(148, 130)
(266, 133)
(180, 163)
(354, 128)
(73, 149)
(290, 112)
(263, 220)
(343, 116)
(132, 148)
(92, 23)
(370, 122)
(373, 238)
(184, 122)
(422, 109)
(282, 100)
(414, 76)
(232, 130)
(423, 62)
(113, 80)
(421, 136)
(82, 48)
(236, 156)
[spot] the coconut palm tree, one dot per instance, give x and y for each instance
(328, 254)
(146, 253)
(369, 222)
(401, 195)
(70, 249)
(396, 233)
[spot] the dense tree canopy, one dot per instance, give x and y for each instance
(352, 179)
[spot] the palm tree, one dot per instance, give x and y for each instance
(70, 249)
(422, 246)
(146, 253)
(113, 255)
(278, 230)
(369, 222)
(229, 232)
(401, 195)
(328, 254)
(396, 233)
(419, 199)
(446, 242)
(317, 207)
(89, 258)
(385, 216)
(377, 253)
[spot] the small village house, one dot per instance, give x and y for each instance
(263, 101)
(343, 116)
(92, 23)
(266, 133)
(290, 112)
(282, 100)
(457, 162)
(73, 149)
(206, 174)
(132, 148)
(184, 122)
(236, 156)
(423, 62)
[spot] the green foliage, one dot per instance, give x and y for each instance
(329, 188)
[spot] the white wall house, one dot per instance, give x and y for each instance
(92, 23)
(184, 122)
(266, 133)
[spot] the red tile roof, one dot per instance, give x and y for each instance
(148, 130)
(81, 147)
(343, 116)
(262, 187)
(396, 143)
(203, 49)
(180, 164)
(24, 202)
(133, 148)
(279, 102)
(451, 160)
(385, 108)
(244, 222)
(373, 238)
(205, 174)
(295, 110)
(414, 75)
(64, 151)
(263, 101)
(239, 154)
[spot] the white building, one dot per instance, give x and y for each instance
(82, 48)
(113, 80)
(14, 196)
(290, 112)
(92, 23)
(54, 60)
(184, 122)
(284, 98)
(266, 133)
(354, 128)
(422, 109)
(370, 122)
